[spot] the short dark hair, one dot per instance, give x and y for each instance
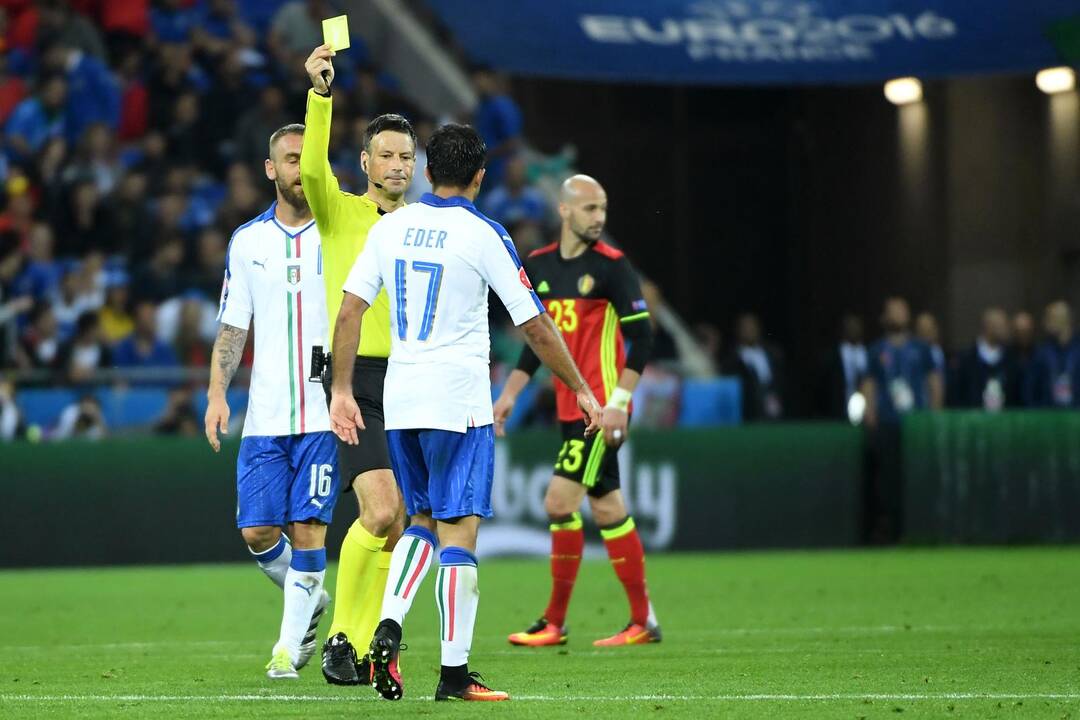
(455, 153)
(290, 129)
(388, 122)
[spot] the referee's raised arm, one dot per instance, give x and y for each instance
(320, 186)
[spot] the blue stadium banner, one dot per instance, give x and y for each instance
(752, 42)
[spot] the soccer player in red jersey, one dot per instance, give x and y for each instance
(593, 294)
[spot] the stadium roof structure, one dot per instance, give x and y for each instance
(764, 42)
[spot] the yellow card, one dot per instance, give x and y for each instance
(335, 32)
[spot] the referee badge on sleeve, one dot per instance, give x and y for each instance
(293, 275)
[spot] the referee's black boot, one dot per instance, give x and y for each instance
(339, 665)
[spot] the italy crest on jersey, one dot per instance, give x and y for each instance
(585, 284)
(293, 275)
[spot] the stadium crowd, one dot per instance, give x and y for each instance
(133, 138)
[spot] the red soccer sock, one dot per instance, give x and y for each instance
(628, 558)
(567, 545)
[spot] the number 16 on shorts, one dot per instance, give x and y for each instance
(322, 478)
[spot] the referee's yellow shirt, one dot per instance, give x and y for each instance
(343, 220)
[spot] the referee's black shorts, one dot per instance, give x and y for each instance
(372, 452)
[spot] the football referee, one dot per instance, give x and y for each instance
(388, 158)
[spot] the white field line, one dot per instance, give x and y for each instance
(734, 632)
(738, 697)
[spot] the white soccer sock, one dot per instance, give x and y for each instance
(275, 561)
(409, 565)
(303, 589)
(458, 595)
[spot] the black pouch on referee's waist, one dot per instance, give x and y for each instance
(320, 365)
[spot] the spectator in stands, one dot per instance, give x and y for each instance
(295, 29)
(513, 200)
(209, 267)
(219, 29)
(498, 120)
(230, 96)
(86, 223)
(143, 349)
(18, 216)
(40, 275)
(96, 160)
(116, 320)
(11, 306)
(986, 375)
(75, 297)
(93, 95)
(134, 96)
(56, 20)
(192, 349)
(38, 118)
(759, 369)
(843, 369)
(81, 420)
(187, 137)
(172, 21)
(243, 200)
(41, 341)
(159, 279)
(133, 222)
(174, 73)
(12, 89)
(82, 356)
(1054, 380)
(258, 123)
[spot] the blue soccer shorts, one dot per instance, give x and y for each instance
(447, 473)
(286, 478)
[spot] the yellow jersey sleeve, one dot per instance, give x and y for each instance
(343, 220)
(320, 186)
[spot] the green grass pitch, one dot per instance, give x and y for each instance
(985, 633)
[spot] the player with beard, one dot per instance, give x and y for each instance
(388, 158)
(286, 472)
(593, 294)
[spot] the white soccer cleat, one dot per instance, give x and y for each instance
(280, 666)
(310, 644)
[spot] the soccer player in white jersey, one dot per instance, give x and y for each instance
(286, 473)
(437, 259)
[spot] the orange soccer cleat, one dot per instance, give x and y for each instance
(632, 634)
(540, 634)
(474, 690)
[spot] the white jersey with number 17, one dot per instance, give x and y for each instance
(437, 259)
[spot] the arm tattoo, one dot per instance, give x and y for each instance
(228, 348)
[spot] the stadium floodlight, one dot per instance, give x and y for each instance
(1056, 80)
(903, 91)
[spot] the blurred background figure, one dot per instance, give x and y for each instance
(1054, 374)
(987, 376)
(759, 369)
(82, 420)
(843, 370)
(902, 377)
